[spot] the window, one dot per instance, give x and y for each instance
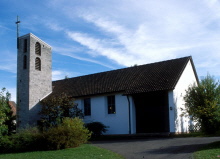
(25, 62)
(37, 64)
(87, 106)
(111, 104)
(25, 45)
(37, 48)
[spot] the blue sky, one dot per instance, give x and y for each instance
(90, 36)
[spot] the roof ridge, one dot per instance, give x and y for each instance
(156, 76)
(189, 57)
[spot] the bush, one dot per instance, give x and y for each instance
(71, 133)
(6, 144)
(26, 140)
(97, 128)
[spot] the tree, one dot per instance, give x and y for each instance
(55, 108)
(5, 111)
(203, 104)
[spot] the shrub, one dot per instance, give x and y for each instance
(97, 128)
(70, 133)
(6, 144)
(28, 139)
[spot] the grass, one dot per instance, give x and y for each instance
(208, 152)
(85, 151)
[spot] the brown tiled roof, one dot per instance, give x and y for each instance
(138, 79)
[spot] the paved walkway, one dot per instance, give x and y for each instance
(157, 148)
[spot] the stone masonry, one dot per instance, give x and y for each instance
(32, 84)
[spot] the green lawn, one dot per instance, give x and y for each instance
(209, 151)
(85, 151)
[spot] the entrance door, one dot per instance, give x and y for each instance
(152, 112)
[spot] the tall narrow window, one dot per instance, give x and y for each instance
(111, 104)
(37, 48)
(25, 62)
(87, 106)
(25, 45)
(37, 64)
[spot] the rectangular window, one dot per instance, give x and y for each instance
(111, 104)
(25, 45)
(87, 106)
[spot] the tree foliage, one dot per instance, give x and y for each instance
(203, 103)
(5, 111)
(55, 108)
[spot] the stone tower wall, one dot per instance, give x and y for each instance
(32, 85)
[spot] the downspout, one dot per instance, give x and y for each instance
(129, 115)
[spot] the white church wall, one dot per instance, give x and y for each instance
(132, 116)
(118, 123)
(171, 111)
(178, 122)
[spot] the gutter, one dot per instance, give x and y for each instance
(129, 115)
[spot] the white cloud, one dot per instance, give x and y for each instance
(6, 28)
(137, 32)
(8, 61)
(54, 26)
(164, 29)
(62, 74)
(9, 67)
(72, 52)
(101, 48)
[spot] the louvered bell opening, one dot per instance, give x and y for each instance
(37, 64)
(38, 49)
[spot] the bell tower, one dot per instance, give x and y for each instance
(34, 78)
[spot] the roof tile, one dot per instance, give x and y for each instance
(138, 79)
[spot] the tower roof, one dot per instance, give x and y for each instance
(32, 35)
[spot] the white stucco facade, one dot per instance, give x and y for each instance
(124, 122)
(117, 123)
(179, 123)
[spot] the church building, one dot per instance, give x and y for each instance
(140, 99)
